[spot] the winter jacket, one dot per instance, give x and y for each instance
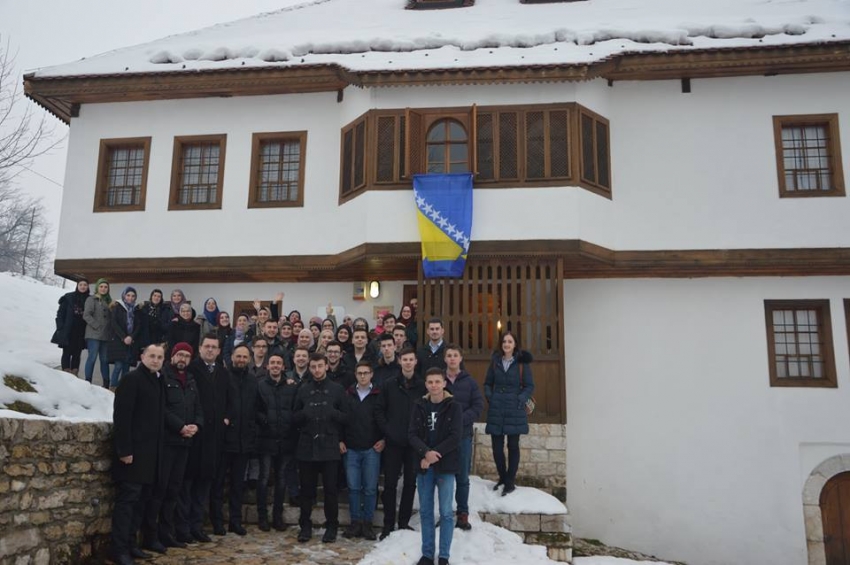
(506, 397)
(137, 416)
(425, 359)
(274, 413)
(154, 320)
(386, 372)
(320, 416)
(397, 398)
(362, 431)
(240, 436)
(182, 407)
(449, 431)
(466, 393)
(208, 443)
(70, 325)
(96, 316)
(342, 375)
(184, 330)
(117, 350)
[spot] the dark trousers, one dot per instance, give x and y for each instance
(268, 464)
(158, 521)
(232, 465)
(292, 482)
(398, 459)
(506, 475)
(309, 472)
(194, 495)
(127, 515)
(71, 357)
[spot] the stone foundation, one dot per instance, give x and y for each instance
(550, 530)
(55, 491)
(542, 462)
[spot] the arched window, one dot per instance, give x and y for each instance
(447, 148)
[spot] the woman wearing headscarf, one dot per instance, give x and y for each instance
(126, 329)
(222, 331)
(208, 319)
(343, 336)
(238, 336)
(178, 299)
(305, 339)
(70, 332)
(155, 315)
(98, 330)
(184, 329)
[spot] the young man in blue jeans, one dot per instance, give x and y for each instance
(436, 426)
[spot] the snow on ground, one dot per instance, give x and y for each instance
(28, 310)
(524, 500)
(382, 35)
(58, 395)
(604, 560)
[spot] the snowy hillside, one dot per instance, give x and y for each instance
(28, 310)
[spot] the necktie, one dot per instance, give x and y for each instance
(210, 368)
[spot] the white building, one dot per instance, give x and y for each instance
(659, 211)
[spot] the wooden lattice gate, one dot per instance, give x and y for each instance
(524, 296)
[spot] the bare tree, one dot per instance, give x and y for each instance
(23, 138)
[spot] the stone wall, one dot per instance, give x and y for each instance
(543, 458)
(55, 491)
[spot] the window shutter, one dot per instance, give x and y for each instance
(414, 143)
(559, 147)
(347, 160)
(508, 145)
(602, 163)
(588, 153)
(485, 147)
(473, 141)
(535, 145)
(360, 154)
(386, 149)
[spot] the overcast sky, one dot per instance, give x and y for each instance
(50, 32)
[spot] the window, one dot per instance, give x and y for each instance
(446, 148)
(389, 148)
(808, 155)
(799, 343)
(197, 172)
(353, 169)
(277, 169)
(595, 158)
(122, 174)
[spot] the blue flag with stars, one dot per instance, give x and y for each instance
(444, 210)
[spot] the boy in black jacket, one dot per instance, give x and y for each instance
(436, 425)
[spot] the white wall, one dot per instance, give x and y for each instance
(676, 443)
(689, 171)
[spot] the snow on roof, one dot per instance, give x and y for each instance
(381, 35)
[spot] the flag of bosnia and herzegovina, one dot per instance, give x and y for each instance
(444, 209)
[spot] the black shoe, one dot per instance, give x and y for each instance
(278, 524)
(137, 553)
(443, 561)
(499, 484)
(509, 488)
(237, 529)
(385, 533)
(330, 533)
(369, 532)
(219, 530)
(354, 530)
(123, 559)
(263, 524)
(154, 546)
(185, 538)
(171, 542)
(200, 536)
(463, 521)
(306, 533)
(405, 527)
(425, 561)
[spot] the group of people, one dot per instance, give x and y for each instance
(195, 416)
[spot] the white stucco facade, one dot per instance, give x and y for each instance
(690, 171)
(677, 445)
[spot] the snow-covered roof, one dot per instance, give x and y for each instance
(381, 35)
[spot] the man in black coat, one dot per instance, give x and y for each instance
(212, 381)
(338, 371)
(240, 440)
(432, 354)
(319, 415)
(138, 415)
(183, 419)
(387, 368)
(397, 398)
(276, 442)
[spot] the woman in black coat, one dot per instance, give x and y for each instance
(70, 332)
(123, 349)
(185, 329)
(156, 315)
(508, 386)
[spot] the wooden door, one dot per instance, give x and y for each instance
(835, 512)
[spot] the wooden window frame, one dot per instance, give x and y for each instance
(102, 184)
(578, 152)
(176, 158)
(417, 121)
(829, 380)
(253, 182)
(830, 121)
(356, 189)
